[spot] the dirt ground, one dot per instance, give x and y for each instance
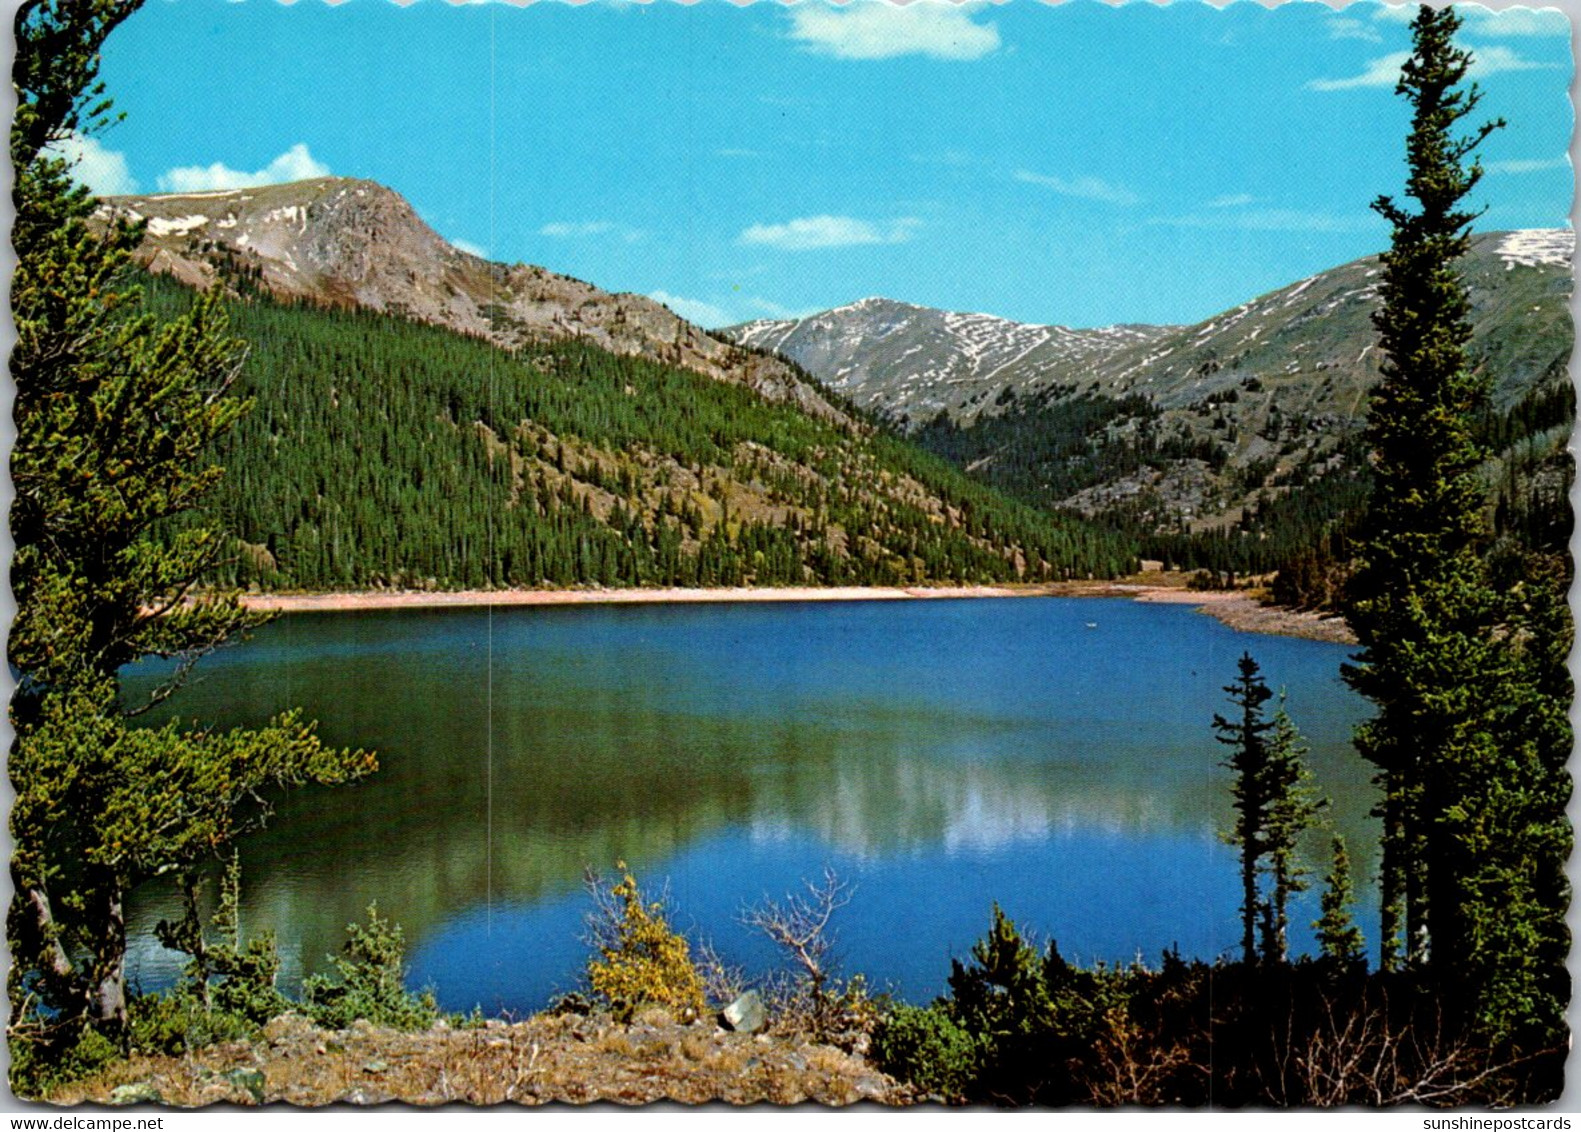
(1236, 608)
(569, 1059)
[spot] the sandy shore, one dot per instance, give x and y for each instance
(1234, 608)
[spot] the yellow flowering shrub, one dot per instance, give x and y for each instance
(644, 961)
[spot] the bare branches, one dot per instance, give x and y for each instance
(801, 924)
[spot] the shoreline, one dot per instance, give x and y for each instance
(1232, 607)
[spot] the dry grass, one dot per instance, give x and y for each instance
(543, 1060)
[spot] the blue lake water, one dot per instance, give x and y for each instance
(1052, 754)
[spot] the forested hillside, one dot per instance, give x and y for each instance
(384, 452)
(1232, 444)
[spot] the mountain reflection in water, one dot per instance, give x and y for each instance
(941, 754)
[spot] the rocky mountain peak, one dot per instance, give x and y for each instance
(345, 242)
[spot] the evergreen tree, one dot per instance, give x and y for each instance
(1247, 735)
(1293, 804)
(1339, 939)
(1418, 601)
(1274, 802)
(115, 414)
(1472, 800)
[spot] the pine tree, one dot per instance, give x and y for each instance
(1418, 602)
(116, 413)
(1293, 805)
(1339, 939)
(1247, 735)
(1472, 794)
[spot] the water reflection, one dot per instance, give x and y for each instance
(950, 752)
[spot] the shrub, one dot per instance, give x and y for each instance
(372, 986)
(175, 1022)
(41, 1063)
(926, 1046)
(641, 959)
(226, 974)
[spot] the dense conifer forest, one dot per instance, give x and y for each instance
(1058, 442)
(382, 452)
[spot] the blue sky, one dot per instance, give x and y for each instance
(1076, 164)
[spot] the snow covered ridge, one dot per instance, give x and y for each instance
(1534, 247)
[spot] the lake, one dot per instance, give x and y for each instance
(1052, 754)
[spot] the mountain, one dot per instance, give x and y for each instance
(425, 419)
(353, 243)
(910, 363)
(1200, 428)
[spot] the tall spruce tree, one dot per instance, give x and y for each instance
(1246, 733)
(1469, 789)
(116, 414)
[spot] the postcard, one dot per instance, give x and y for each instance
(949, 553)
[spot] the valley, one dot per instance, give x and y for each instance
(1232, 445)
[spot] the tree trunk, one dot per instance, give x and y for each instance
(50, 950)
(1391, 879)
(107, 996)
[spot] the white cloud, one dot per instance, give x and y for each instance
(1272, 220)
(103, 171)
(1520, 165)
(693, 310)
(568, 231)
(1343, 27)
(1514, 21)
(778, 310)
(470, 248)
(809, 232)
(588, 229)
(295, 164)
(1496, 60)
(1383, 71)
(877, 29)
(1087, 188)
(1233, 200)
(1396, 13)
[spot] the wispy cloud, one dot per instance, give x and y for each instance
(693, 310)
(103, 171)
(1527, 165)
(810, 232)
(295, 164)
(1086, 188)
(1499, 23)
(1496, 59)
(1233, 200)
(470, 248)
(876, 29)
(1396, 13)
(590, 229)
(1522, 22)
(1271, 220)
(1343, 27)
(777, 310)
(1383, 71)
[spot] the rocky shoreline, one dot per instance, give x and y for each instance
(1236, 608)
(546, 1059)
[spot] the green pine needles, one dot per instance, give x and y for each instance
(118, 414)
(1473, 789)
(1275, 802)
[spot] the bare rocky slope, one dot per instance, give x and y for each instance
(356, 243)
(1270, 391)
